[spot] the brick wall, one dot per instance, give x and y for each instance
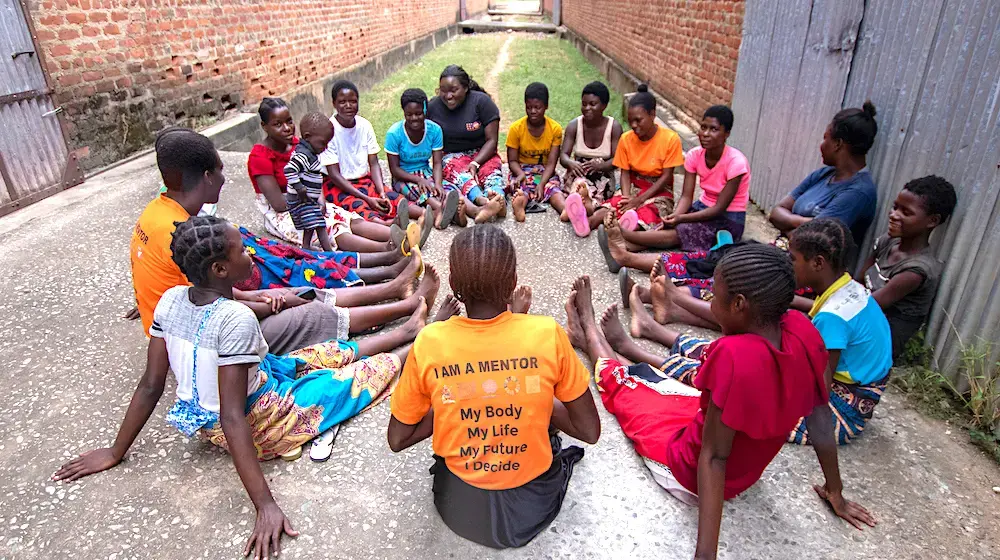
(476, 6)
(685, 49)
(124, 69)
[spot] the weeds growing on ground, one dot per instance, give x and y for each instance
(976, 407)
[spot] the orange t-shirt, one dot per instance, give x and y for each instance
(153, 268)
(651, 157)
(491, 385)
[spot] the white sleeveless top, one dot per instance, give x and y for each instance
(580, 148)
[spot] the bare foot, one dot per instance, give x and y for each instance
(616, 243)
(641, 319)
(613, 330)
(487, 212)
(499, 198)
(450, 307)
(585, 302)
(577, 336)
(416, 322)
(519, 204)
(461, 218)
(564, 216)
(404, 280)
(429, 285)
(662, 292)
(522, 300)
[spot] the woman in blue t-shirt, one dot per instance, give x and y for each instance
(414, 147)
(843, 188)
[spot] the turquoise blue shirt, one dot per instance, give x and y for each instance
(414, 157)
(850, 320)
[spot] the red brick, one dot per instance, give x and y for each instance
(76, 17)
(67, 80)
(88, 31)
(112, 29)
(60, 50)
(98, 17)
(119, 16)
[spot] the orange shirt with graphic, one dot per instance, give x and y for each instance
(650, 157)
(153, 268)
(491, 385)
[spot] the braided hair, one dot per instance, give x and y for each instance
(763, 274)
(825, 237)
(483, 265)
(197, 244)
(268, 106)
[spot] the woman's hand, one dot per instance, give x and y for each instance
(266, 536)
(591, 166)
(379, 204)
(626, 204)
(853, 513)
(89, 463)
(671, 221)
(276, 301)
(425, 186)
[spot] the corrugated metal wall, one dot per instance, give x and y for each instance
(932, 68)
(33, 153)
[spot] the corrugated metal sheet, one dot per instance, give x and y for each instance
(932, 68)
(34, 154)
(793, 66)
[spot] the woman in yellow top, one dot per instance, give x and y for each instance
(492, 389)
(533, 145)
(647, 156)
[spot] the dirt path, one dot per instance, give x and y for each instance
(492, 81)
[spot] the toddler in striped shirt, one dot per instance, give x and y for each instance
(304, 193)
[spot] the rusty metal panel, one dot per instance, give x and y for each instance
(940, 91)
(790, 79)
(21, 72)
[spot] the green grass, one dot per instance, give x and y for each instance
(476, 53)
(558, 65)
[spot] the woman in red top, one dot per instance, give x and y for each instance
(266, 167)
(712, 442)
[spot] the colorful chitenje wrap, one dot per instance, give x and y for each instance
(279, 265)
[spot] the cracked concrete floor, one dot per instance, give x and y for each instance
(70, 364)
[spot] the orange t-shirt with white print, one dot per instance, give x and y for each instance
(650, 157)
(491, 385)
(153, 268)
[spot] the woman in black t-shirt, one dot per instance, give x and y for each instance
(470, 121)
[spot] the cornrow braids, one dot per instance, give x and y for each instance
(826, 237)
(483, 265)
(197, 244)
(763, 274)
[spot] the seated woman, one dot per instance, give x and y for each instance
(354, 176)
(902, 272)
(266, 166)
(588, 152)
(414, 148)
(843, 188)
(854, 329)
(647, 156)
(470, 121)
(233, 392)
(711, 443)
(500, 472)
(533, 143)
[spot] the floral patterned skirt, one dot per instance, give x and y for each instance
(308, 392)
(458, 177)
(277, 265)
(533, 175)
(653, 211)
(354, 204)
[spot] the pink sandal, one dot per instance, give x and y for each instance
(577, 213)
(629, 220)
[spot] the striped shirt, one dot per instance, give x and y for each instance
(304, 173)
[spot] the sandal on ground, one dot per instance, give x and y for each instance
(292, 455)
(602, 240)
(322, 446)
(577, 213)
(402, 214)
(427, 226)
(449, 208)
(398, 236)
(625, 284)
(629, 220)
(413, 234)
(535, 207)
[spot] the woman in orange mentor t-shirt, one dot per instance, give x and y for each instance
(492, 389)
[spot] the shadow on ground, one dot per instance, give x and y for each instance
(69, 366)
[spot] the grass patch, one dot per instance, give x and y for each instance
(476, 53)
(976, 408)
(558, 65)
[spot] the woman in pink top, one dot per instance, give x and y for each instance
(724, 175)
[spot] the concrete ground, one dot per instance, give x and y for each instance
(69, 365)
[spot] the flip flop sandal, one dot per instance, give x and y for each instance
(577, 215)
(413, 234)
(399, 239)
(602, 240)
(449, 208)
(292, 455)
(402, 214)
(625, 284)
(428, 225)
(322, 446)
(629, 220)
(420, 271)
(535, 208)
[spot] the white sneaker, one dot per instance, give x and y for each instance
(322, 446)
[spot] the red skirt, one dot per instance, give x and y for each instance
(351, 203)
